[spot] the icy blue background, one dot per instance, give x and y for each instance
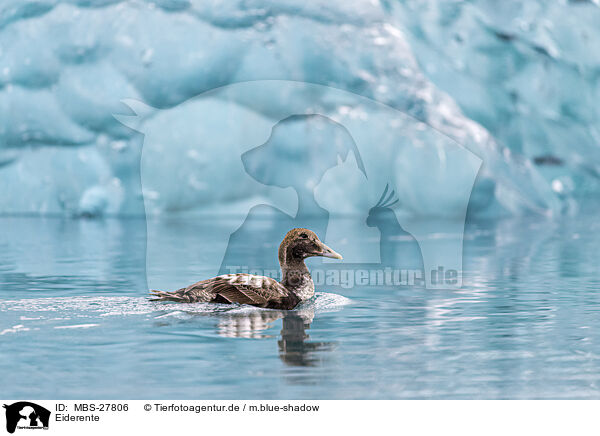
(515, 82)
(109, 108)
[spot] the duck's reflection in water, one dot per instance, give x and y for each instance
(295, 348)
(251, 325)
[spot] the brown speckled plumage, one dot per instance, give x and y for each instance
(296, 284)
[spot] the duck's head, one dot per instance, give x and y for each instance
(300, 243)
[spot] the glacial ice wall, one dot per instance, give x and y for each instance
(525, 70)
(67, 66)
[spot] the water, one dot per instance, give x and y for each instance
(75, 321)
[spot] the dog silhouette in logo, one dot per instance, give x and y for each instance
(299, 151)
(26, 414)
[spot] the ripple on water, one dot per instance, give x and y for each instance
(35, 312)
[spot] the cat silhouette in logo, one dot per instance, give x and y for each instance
(31, 413)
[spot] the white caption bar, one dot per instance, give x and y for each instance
(183, 417)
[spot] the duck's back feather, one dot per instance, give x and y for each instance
(249, 289)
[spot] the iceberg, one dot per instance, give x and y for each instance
(72, 142)
(523, 70)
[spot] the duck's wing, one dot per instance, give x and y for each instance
(235, 288)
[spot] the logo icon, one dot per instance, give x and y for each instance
(298, 154)
(26, 415)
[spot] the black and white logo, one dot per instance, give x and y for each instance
(26, 415)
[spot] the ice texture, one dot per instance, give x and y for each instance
(513, 84)
(527, 71)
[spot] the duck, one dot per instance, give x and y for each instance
(296, 283)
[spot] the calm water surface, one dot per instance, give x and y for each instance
(75, 321)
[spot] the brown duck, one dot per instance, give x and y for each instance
(296, 284)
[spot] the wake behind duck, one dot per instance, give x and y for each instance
(295, 286)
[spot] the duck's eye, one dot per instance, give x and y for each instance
(303, 236)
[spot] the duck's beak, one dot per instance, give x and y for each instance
(328, 252)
